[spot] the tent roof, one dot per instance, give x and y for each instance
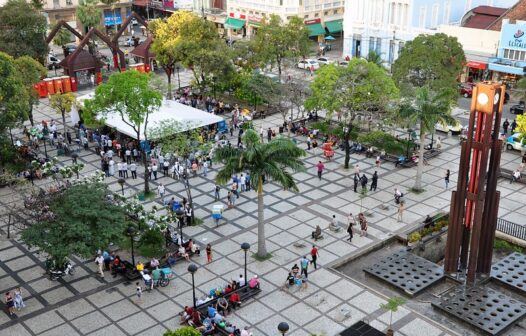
(143, 49)
(83, 61)
(189, 117)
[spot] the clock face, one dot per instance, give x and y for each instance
(482, 98)
(496, 98)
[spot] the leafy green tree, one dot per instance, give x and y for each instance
(62, 38)
(30, 72)
(184, 331)
(360, 87)
(62, 103)
(435, 61)
(254, 88)
(375, 58)
(276, 42)
(130, 95)
(392, 306)
(151, 243)
(22, 30)
(89, 14)
(276, 160)
(77, 221)
(426, 109)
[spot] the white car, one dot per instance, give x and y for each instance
(456, 128)
(308, 63)
(514, 142)
(323, 61)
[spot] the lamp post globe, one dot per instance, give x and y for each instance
(192, 268)
(283, 327)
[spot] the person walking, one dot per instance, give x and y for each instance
(320, 168)
(363, 224)
(505, 126)
(513, 126)
(9, 302)
(138, 292)
(351, 222)
(446, 178)
(378, 158)
(205, 167)
(304, 264)
(401, 209)
(374, 181)
(269, 134)
(154, 170)
(314, 256)
(363, 181)
(357, 169)
(308, 142)
(19, 301)
(125, 169)
(216, 192)
(356, 180)
(100, 264)
(133, 170)
(161, 189)
(209, 253)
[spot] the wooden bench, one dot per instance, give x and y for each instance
(131, 272)
(508, 174)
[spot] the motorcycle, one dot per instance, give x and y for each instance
(58, 272)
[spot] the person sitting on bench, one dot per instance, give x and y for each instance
(428, 222)
(317, 233)
(254, 282)
(182, 253)
(235, 300)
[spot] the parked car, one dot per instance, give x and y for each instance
(308, 63)
(343, 63)
(518, 108)
(134, 21)
(466, 90)
(129, 42)
(323, 61)
(455, 128)
(52, 62)
(514, 142)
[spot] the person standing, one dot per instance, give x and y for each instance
(269, 134)
(111, 167)
(242, 180)
(378, 158)
(205, 167)
(314, 256)
(138, 292)
(320, 168)
(100, 264)
(19, 301)
(155, 168)
(364, 181)
(125, 169)
(351, 222)
(308, 142)
(505, 126)
(209, 253)
(304, 264)
(374, 181)
(357, 169)
(446, 178)
(356, 180)
(128, 154)
(216, 192)
(513, 126)
(401, 209)
(9, 302)
(261, 134)
(133, 170)
(161, 189)
(363, 224)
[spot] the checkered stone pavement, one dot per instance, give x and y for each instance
(86, 304)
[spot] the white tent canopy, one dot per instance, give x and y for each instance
(187, 116)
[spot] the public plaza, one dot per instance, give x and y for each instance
(86, 304)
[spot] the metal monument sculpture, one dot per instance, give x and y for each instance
(475, 203)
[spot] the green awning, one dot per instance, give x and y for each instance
(335, 26)
(316, 29)
(233, 23)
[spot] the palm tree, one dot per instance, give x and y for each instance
(89, 14)
(375, 58)
(426, 109)
(275, 159)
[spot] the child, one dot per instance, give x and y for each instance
(138, 291)
(209, 253)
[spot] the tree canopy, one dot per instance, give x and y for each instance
(31, 71)
(22, 30)
(77, 221)
(433, 60)
(276, 42)
(62, 103)
(14, 98)
(88, 13)
(360, 87)
(184, 331)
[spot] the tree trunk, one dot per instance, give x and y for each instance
(420, 166)
(31, 115)
(168, 71)
(262, 249)
(63, 121)
(145, 163)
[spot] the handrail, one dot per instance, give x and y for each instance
(512, 229)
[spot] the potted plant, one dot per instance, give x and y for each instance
(392, 306)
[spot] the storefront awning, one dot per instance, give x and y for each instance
(335, 26)
(233, 23)
(509, 69)
(316, 29)
(476, 65)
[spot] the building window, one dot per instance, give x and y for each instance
(306, 16)
(392, 19)
(434, 16)
(379, 46)
(301, 2)
(371, 44)
(69, 2)
(251, 12)
(316, 14)
(447, 11)
(422, 17)
(400, 46)
(506, 53)
(326, 13)
(335, 11)
(391, 50)
(281, 2)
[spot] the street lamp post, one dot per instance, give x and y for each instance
(121, 182)
(214, 85)
(245, 247)
(283, 327)
(45, 147)
(409, 131)
(192, 268)
(179, 213)
(131, 234)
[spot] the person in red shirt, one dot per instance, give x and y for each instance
(228, 289)
(320, 168)
(314, 255)
(235, 300)
(187, 314)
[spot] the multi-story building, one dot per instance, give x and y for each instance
(386, 25)
(244, 16)
(56, 10)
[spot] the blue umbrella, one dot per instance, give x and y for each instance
(329, 38)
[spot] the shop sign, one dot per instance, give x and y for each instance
(237, 16)
(513, 36)
(313, 21)
(255, 19)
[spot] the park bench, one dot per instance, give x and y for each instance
(508, 174)
(131, 273)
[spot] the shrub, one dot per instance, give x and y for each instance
(414, 237)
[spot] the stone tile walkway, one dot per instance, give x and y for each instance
(88, 305)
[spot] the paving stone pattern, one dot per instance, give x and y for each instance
(86, 304)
